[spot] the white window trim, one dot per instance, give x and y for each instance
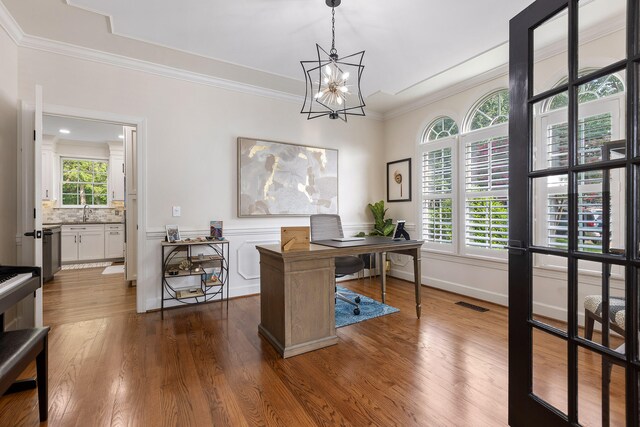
(613, 105)
(84, 158)
(495, 131)
(425, 147)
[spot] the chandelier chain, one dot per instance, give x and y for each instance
(333, 30)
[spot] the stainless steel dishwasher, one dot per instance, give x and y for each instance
(51, 252)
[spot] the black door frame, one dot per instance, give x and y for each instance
(526, 409)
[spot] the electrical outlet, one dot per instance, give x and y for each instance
(176, 211)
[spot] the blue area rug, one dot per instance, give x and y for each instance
(369, 309)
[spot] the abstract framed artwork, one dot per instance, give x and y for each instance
(399, 181)
(282, 179)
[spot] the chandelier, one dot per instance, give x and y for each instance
(332, 83)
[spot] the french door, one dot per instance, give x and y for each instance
(574, 262)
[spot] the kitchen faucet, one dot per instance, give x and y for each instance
(85, 217)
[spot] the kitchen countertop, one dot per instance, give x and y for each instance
(82, 223)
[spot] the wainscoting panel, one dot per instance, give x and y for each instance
(244, 265)
(249, 259)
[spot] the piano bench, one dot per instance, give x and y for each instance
(17, 350)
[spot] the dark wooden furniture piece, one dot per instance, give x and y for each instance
(297, 305)
(19, 348)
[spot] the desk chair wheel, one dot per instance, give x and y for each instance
(356, 311)
(357, 300)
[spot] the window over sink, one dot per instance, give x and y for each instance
(84, 182)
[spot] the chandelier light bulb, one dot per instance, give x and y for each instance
(333, 90)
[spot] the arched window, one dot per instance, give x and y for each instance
(442, 127)
(438, 180)
(599, 137)
(486, 174)
(491, 110)
(595, 89)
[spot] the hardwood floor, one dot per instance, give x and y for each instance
(204, 366)
(77, 295)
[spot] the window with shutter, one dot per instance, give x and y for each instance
(437, 191)
(598, 127)
(486, 176)
(438, 158)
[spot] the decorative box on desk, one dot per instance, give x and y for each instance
(194, 272)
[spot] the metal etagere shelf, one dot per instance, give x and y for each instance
(194, 272)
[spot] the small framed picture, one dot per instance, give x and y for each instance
(399, 181)
(215, 228)
(173, 233)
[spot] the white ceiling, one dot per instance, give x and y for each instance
(406, 41)
(416, 50)
(81, 130)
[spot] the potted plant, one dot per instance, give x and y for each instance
(382, 227)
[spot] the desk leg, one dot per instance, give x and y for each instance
(383, 275)
(417, 277)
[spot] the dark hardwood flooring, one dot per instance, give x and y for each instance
(204, 365)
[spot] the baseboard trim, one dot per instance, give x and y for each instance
(457, 288)
(153, 304)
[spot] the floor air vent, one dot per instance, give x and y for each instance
(472, 306)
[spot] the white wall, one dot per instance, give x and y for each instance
(191, 152)
(473, 276)
(93, 150)
(8, 147)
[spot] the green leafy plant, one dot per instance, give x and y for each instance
(382, 226)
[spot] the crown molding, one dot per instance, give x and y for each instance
(88, 54)
(547, 52)
(10, 25)
(448, 91)
(74, 51)
(79, 52)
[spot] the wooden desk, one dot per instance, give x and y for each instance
(297, 302)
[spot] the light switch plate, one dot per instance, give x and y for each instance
(176, 211)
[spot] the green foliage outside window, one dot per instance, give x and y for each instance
(84, 182)
(487, 222)
(493, 110)
(438, 221)
(442, 127)
(595, 89)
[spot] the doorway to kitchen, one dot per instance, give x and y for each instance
(89, 218)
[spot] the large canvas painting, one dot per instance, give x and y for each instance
(275, 178)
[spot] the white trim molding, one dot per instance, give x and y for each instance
(10, 25)
(448, 91)
(62, 48)
(79, 52)
(241, 260)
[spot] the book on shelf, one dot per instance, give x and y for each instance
(215, 228)
(189, 293)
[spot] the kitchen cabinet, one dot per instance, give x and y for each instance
(69, 246)
(82, 242)
(91, 244)
(114, 241)
(47, 175)
(116, 165)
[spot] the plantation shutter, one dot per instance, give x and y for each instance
(437, 190)
(486, 186)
